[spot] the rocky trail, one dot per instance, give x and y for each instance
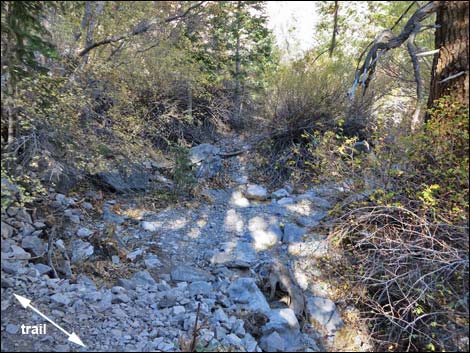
(244, 260)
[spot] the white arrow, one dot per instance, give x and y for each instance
(25, 303)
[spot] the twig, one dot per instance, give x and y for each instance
(195, 330)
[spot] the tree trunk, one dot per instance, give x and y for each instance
(237, 99)
(450, 65)
(190, 99)
(93, 11)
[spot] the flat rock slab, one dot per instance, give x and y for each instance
(183, 273)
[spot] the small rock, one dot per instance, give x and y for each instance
(120, 298)
(199, 287)
(152, 261)
(81, 251)
(220, 315)
(179, 309)
(84, 232)
(18, 253)
(256, 192)
(24, 216)
(7, 231)
(12, 329)
(278, 194)
(202, 152)
(168, 300)
(135, 254)
(233, 340)
(74, 219)
(13, 267)
(111, 217)
(286, 201)
(34, 244)
(143, 278)
(39, 225)
(42, 269)
(150, 226)
(60, 298)
(27, 229)
(12, 211)
(87, 206)
(272, 343)
(7, 282)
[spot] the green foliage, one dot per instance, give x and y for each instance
(21, 23)
(440, 153)
(183, 175)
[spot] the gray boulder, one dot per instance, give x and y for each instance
(199, 287)
(324, 312)
(284, 323)
(209, 167)
(256, 192)
(110, 216)
(23, 216)
(361, 147)
(248, 296)
(273, 343)
(84, 232)
(202, 152)
(311, 221)
(7, 231)
(124, 182)
(33, 244)
(143, 278)
(81, 251)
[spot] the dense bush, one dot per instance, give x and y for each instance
(404, 225)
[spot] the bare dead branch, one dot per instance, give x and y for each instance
(142, 27)
(386, 41)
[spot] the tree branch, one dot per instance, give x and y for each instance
(419, 90)
(386, 41)
(142, 27)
